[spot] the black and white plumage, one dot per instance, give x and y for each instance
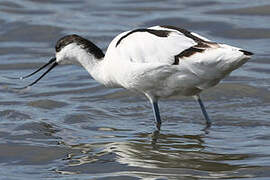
(158, 62)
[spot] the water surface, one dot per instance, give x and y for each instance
(70, 127)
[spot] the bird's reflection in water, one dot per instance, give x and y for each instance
(158, 153)
(139, 152)
(156, 134)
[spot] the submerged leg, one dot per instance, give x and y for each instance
(208, 120)
(156, 114)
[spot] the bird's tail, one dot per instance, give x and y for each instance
(233, 58)
(216, 63)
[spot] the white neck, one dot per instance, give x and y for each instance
(74, 54)
(94, 67)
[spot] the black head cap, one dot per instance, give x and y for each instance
(84, 43)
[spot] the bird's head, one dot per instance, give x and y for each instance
(70, 49)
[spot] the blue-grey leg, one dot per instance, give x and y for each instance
(156, 114)
(208, 120)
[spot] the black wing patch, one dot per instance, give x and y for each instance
(186, 53)
(186, 33)
(247, 53)
(159, 33)
(198, 48)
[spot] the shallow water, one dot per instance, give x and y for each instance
(70, 127)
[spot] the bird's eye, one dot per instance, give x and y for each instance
(57, 47)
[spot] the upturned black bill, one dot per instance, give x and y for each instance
(45, 65)
(52, 61)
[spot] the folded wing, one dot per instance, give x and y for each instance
(159, 44)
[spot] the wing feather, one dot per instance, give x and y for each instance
(157, 44)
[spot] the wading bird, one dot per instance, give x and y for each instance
(158, 62)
